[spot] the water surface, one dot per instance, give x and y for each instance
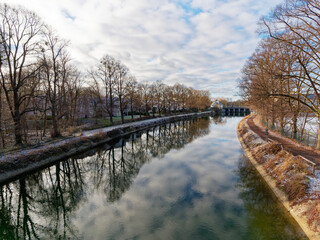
(188, 180)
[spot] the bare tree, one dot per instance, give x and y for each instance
(20, 32)
(105, 73)
(120, 86)
(152, 91)
(54, 61)
(145, 96)
(159, 96)
(132, 95)
(97, 101)
(74, 85)
(296, 23)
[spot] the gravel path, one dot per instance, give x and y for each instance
(289, 145)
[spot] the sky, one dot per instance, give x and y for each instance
(199, 43)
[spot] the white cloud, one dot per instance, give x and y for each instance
(201, 43)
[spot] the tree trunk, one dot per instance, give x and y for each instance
(45, 118)
(121, 110)
(111, 105)
(110, 118)
(281, 123)
(17, 127)
(25, 129)
(55, 128)
(273, 120)
(1, 132)
(294, 126)
(131, 109)
(304, 124)
(318, 140)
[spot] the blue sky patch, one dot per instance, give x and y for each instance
(68, 15)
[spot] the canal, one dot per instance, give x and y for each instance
(184, 180)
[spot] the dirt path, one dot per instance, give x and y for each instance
(288, 144)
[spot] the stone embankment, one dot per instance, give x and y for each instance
(289, 176)
(16, 164)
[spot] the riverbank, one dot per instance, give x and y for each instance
(15, 164)
(288, 176)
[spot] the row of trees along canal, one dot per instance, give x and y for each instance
(41, 87)
(281, 78)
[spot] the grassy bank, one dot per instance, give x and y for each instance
(289, 177)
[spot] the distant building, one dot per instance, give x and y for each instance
(217, 104)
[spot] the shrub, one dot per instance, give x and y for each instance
(296, 187)
(99, 136)
(114, 133)
(263, 152)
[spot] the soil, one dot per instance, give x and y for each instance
(289, 145)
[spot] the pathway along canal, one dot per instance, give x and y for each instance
(188, 180)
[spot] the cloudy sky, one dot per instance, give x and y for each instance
(200, 43)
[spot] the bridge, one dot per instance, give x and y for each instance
(235, 111)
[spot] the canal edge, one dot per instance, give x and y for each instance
(26, 162)
(301, 221)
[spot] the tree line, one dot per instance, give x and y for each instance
(42, 91)
(280, 80)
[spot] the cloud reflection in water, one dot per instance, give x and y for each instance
(179, 181)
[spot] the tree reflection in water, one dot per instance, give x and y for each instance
(41, 205)
(265, 215)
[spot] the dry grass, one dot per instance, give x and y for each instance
(290, 172)
(262, 153)
(291, 165)
(313, 215)
(271, 164)
(243, 129)
(252, 140)
(296, 187)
